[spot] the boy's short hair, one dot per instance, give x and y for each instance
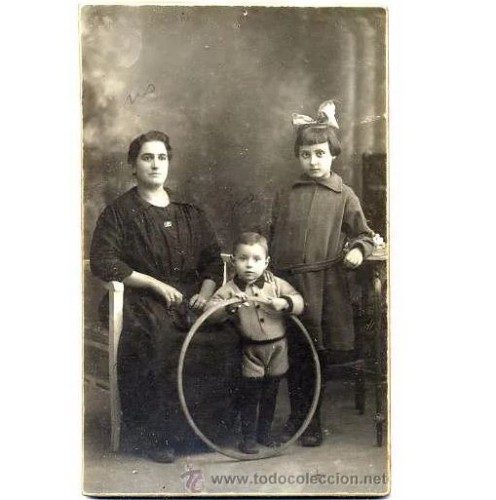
(152, 135)
(317, 134)
(249, 238)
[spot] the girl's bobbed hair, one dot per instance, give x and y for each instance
(152, 135)
(317, 134)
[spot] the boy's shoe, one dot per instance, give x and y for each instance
(249, 446)
(312, 437)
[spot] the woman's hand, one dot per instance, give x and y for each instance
(197, 302)
(353, 258)
(172, 296)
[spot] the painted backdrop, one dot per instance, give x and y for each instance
(223, 82)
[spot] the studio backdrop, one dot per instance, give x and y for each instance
(222, 82)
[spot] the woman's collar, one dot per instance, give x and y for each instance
(174, 197)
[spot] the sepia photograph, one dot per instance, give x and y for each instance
(235, 250)
(247, 249)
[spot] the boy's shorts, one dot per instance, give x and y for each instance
(265, 360)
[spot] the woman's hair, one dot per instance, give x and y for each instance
(317, 134)
(251, 239)
(152, 135)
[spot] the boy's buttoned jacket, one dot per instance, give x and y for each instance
(257, 321)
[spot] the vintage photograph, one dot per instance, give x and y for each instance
(235, 245)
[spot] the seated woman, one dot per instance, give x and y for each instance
(167, 255)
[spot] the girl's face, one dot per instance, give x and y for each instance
(316, 160)
(250, 262)
(152, 164)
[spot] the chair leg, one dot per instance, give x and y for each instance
(115, 408)
(115, 437)
(116, 302)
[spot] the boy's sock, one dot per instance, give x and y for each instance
(267, 409)
(250, 396)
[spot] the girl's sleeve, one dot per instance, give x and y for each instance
(106, 248)
(355, 226)
(210, 264)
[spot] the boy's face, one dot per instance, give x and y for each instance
(250, 262)
(316, 160)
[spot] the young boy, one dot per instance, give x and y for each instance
(261, 325)
(318, 230)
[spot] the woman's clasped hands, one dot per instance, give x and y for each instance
(174, 297)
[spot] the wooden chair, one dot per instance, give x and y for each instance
(102, 343)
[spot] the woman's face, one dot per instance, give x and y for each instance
(316, 160)
(152, 164)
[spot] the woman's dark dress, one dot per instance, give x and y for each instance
(177, 246)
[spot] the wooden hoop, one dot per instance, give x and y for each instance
(271, 452)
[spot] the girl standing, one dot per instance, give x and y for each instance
(318, 231)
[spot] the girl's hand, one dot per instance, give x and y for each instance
(171, 296)
(353, 258)
(197, 302)
(278, 303)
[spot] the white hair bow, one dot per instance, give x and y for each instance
(326, 115)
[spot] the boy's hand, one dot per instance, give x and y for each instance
(241, 296)
(279, 304)
(353, 258)
(233, 308)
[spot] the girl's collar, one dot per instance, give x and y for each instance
(333, 182)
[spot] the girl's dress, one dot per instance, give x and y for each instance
(312, 223)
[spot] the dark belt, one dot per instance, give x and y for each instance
(261, 342)
(311, 266)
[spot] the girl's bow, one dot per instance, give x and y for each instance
(326, 115)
